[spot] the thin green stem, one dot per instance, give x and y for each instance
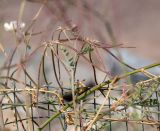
(97, 87)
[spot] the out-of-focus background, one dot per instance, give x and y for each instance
(132, 23)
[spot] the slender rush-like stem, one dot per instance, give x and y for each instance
(97, 87)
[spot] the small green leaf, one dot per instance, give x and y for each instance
(87, 49)
(67, 53)
(71, 59)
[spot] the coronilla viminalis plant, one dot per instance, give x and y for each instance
(64, 82)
